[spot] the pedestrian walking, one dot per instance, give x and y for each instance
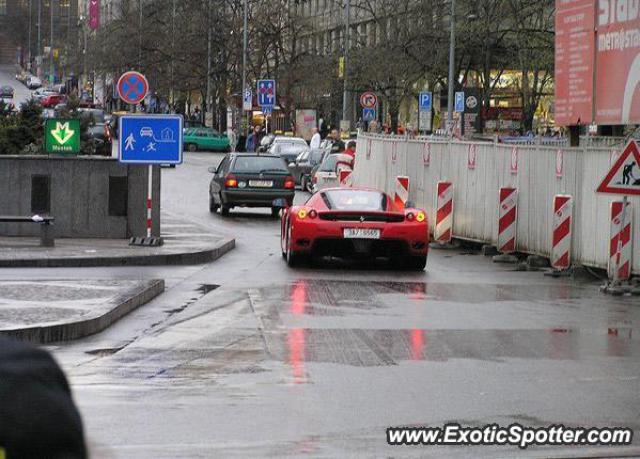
(315, 139)
(233, 139)
(253, 140)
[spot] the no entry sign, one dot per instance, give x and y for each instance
(133, 87)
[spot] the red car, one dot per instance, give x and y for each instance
(52, 100)
(355, 222)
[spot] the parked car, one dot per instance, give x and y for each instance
(7, 92)
(41, 93)
(326, 175)
(33, 82)
(8, 102)
(97, 114)
(266, 142)
(288, 147)
(250, 180)
(52, 100)
(97, 135)
(205, 139)
(303, 165)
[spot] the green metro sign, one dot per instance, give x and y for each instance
(62, 136)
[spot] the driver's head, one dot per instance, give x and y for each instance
(334, 134)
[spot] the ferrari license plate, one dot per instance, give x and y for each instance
(261, 183)
(361, 233)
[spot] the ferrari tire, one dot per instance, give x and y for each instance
(275, 212)
(224, 210)
(295, 259)
(416, 263)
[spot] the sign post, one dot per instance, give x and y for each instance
(425, 103)
(267, 98)
(622, 179)
(150, 139)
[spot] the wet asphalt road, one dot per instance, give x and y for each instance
(247, 358)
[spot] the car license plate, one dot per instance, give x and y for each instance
(261, 183)
(361, 233)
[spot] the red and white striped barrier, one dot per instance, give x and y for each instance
(562, 226)
(444, 213)
(620, 243)
(508, 220)
(346, 181)
(401, 195)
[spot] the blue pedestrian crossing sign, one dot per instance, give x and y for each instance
(266, 93)
(150, 139)
(459, 102)
(368, 114)
(426, 101)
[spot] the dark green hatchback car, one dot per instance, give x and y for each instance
(205, 139)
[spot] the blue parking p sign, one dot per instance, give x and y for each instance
(426, 101)
(150, 139)
(459, 102)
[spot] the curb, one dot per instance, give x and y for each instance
(66, 331)
(186, 258)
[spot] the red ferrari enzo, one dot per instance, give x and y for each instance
(355, 222)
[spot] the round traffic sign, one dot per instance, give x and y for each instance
(133, 87)
(368, 100)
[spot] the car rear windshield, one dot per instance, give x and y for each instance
(355, 200)
(259, 164)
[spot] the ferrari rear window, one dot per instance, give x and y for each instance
(355, 200)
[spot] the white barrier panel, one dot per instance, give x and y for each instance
(538, 180)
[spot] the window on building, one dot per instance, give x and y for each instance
(3, 7)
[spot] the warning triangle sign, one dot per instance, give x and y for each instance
(624, 175)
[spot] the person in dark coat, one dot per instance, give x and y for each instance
(38, 418)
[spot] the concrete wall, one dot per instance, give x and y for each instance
(475, 215)
(79, 196)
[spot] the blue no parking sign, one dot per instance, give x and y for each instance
(150, 139)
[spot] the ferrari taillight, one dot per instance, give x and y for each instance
(231, 181)
(410, 217)
(420, 217)
(313, 213)
(302, 214)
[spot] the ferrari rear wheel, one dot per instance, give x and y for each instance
(294, 259)
(416, 263)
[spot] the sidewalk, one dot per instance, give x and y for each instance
(49, 311)
(184, 244)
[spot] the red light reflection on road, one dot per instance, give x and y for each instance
(418, 292)
(296, 343)
(417, 344)
(298, 298)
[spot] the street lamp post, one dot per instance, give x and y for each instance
(347, 43)
(245, 40)
(452, 67)
(52, 75)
